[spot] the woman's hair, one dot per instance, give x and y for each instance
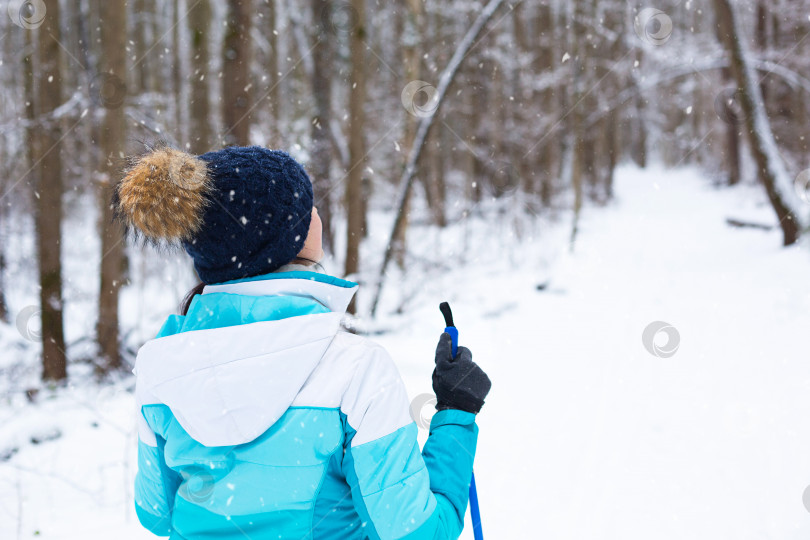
(198, 289)
(186, 303)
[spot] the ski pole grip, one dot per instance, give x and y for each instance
(451, 329)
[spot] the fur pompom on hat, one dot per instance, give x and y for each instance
(238, 212)
(163, 194)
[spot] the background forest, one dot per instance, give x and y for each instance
(548, 99)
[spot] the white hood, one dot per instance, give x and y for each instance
(227, 386)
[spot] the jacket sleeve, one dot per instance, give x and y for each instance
(155, 483)
(398, 491)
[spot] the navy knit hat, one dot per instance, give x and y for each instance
(239, 212)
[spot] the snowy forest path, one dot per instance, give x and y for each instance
(586, 434)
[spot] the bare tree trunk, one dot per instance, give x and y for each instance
(437, 161)
(771, 169)
(199, 22)
(579, 70)
(613, 150)
(236, 94)
(177, 72)
(142, 24)
(48, 196)
(274, 92)
(28, 92)
(3, 304)
(547, 163)
(321, 148)
(590, 153)
(733, 149)
(414, 21)
(518, 147)
(494, 117)
(482, 136)
(433, 176)
(357, 143)
(639, 150)
(761, 33)
(576, 182)
(732, 127)
(112, 61)
(615, 22)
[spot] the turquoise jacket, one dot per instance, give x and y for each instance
(258, 418)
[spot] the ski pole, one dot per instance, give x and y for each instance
(475, 513)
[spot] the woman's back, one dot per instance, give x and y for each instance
(253, 419)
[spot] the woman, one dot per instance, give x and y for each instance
(257, 417)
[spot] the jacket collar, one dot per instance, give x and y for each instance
(333, 293)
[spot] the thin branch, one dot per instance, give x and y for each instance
(406, 182)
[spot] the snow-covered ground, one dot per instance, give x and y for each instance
(586, 434)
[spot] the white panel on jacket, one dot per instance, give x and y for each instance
(227, 386)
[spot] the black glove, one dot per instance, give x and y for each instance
(458, 382)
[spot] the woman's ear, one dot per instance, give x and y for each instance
(313, 245)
